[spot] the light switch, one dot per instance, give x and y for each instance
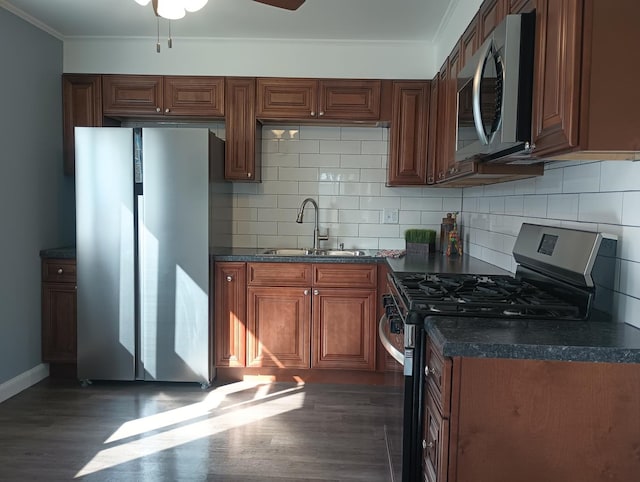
(390, 216)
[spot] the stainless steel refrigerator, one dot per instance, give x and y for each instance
(142, 214)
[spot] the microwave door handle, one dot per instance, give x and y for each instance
(477, 79)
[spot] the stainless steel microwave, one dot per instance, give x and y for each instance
(495, 93)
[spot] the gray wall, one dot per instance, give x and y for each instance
(33, 192)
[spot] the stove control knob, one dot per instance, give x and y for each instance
(426, 445)
(428, 370)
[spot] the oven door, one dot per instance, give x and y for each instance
(403, 427)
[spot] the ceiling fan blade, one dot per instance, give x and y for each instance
(286, 4)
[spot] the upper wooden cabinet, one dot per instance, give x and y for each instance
(585, 81)
(243, 143)
(326, 99)
(153, 95)
(409, 134)
(82, 107)
(490, 14)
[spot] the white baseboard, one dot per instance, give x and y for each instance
(23, 381)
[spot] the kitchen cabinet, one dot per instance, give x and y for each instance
(434, 129)
(470, 40)
(447, 112)
(409, 133)
(82, 107)
(344, 316)
(584, 80)
(230, 294)
(58, 311)
(243, 143)
(324, 99)
(532, 419)
(301, 315)
(490, 14)
(154, 95)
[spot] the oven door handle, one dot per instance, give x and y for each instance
(392, 350)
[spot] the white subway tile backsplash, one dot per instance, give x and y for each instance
(379, 230)
(340, 147)
(550, 182)
(377, 202)
(263, 201)
(299, 147)
(339, 202)
(280, 159)
(320, 132)
(298, 174)
(362, 133)
(629, 278)
(514, 205)
(451, 204)
(563, 206)
(629, 243)
(279, 187)
(601, 207)
(359, 216)
(337, 174)
(535, 206)
(373, 175)
(631, 207)
(409, 217)
(620, 176)
(375, 147)
(421, 204)
(581, 178)
(320, 160)
(496, 205)
(370, 161)
(360, 188)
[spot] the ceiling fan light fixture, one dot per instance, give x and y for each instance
(144, 3)
(171, 9)
(193, 5)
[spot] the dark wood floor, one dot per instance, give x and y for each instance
(239, 432)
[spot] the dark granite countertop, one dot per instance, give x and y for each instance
(67, 252)
(538, 340)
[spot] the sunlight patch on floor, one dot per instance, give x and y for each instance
(154, 434)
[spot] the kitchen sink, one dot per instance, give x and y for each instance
(311, 252)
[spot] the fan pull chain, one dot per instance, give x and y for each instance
(170, 41)
(158, 35)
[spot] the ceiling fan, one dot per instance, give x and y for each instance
(286, 4)
(175, 10)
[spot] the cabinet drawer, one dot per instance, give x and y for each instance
(345, 275)
(59, 270)
(438, 376)
(279, 274)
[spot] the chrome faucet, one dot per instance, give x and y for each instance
(316, 231)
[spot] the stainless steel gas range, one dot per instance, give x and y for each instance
(562, 274)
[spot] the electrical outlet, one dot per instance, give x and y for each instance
(390, 216)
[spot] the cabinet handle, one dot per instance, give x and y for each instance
(316, 292)
(428, 370)
(166, 111)
(60, 271)
(158, 109)
(229, 278)
(426, 445)
(313, 114)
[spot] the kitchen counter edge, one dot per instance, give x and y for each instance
(574, 341)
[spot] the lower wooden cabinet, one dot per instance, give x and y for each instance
(531, 420)
(296, 315)
(58, 311)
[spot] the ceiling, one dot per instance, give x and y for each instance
(392, 20)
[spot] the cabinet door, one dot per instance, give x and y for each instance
(435, 443)
(278, 327)
(344, 334)
(357, 100)
(470, 41)
(243, 134)
(432, 144)
(556, 92)
(194, 96)
(287, 98)
(409, 134)
(59, 322)
(130, 95)
(230, 314)
(82, 107)
(449, 105)
(491, 13)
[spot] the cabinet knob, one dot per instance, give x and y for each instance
(313, 114)
(305, 292)
(316, 292)
(229, 278)
(426, 445)
(321, 113)
(166, 111)
(60, 271)
(249, 175)
(158, 109)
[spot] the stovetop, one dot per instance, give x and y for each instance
(497, 296)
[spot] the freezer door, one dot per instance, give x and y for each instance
(174, 330)
(105, 253)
